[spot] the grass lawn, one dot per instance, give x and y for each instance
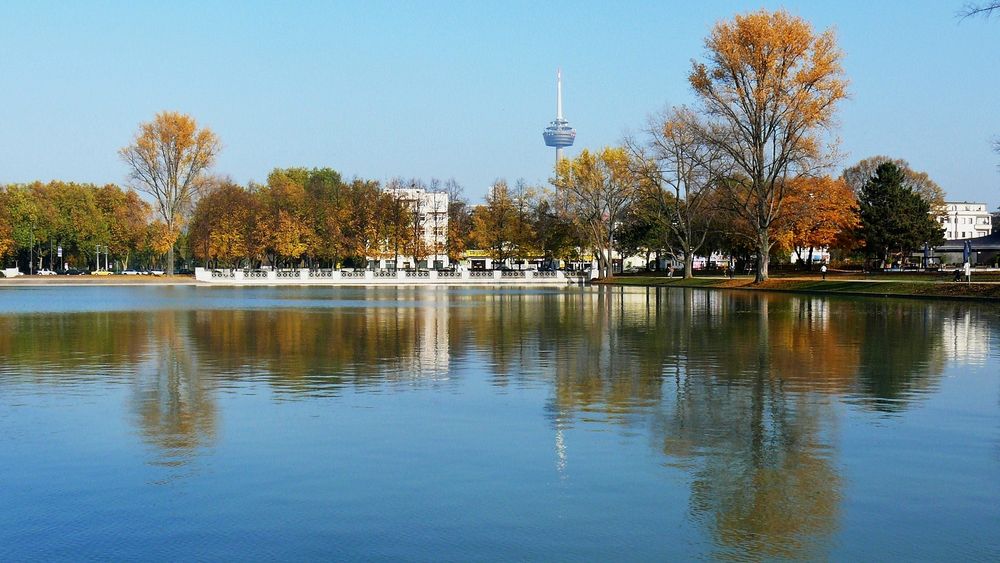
(917, 285)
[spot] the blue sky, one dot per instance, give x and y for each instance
(463, 90)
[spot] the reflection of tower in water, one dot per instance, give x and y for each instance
(560, 422)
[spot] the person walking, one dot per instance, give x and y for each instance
(968, 272)
(822, 270)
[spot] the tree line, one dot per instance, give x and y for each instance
(745, 171)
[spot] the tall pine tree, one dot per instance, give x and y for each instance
(895, 220)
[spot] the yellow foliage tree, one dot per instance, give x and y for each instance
(6, 239)
(597, 187)
(160, 238)
(288, 237)
(168, 159)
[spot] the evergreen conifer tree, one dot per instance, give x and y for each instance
(895, 220)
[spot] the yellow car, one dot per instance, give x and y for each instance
(100, 273)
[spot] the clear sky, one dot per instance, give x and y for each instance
(463, 89)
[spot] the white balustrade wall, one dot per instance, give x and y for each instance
(387, 277)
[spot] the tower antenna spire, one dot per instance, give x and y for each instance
(559, 93)
(559, 134)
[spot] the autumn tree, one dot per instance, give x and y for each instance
(365, 228)
(682, 169)
(20, 213)
(224, 226)
(395, 214)
(597, 188)
(126, 217)
(159, 240)
(554, 232)
(285, 218)
(858, 175)
(769, 88)
(7, 244)
(495, 225)
(819, 211)
(460, 228)
(168, 159)
(894, 219)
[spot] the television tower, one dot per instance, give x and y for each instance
(559, 134)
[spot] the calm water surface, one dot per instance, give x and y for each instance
(455, 425)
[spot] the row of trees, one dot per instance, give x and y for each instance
(316, 218)
(745, 171)
(38, 219)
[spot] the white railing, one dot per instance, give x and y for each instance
(388, 277)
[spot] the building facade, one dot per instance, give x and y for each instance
(963, 219)
(425, 245)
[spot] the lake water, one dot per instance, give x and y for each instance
(180, 423)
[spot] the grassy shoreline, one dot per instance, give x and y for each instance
(833, 285)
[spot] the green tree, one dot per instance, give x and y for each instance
(920, 182)
(894, 219)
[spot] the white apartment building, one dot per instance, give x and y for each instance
(962, 220)
(430, 231)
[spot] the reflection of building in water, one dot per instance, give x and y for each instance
(431, 352)
(965, 337)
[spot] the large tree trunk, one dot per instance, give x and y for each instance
(688, 264)
(763, 252)
(170, 261)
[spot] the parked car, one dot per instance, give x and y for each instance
(101, 273)
(70, 272)
(156, 272)
(45, 272)
(130, 273)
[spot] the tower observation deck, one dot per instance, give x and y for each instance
(559, 134)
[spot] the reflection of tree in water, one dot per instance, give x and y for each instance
(737, 388)
(905, 353)
(174, 406)
(764, 482)
(734, 385)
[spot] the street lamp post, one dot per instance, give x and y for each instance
(31, 252)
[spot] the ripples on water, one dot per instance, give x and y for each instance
(455, 424)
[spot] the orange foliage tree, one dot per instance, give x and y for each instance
(818, 211)
(769, 88)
